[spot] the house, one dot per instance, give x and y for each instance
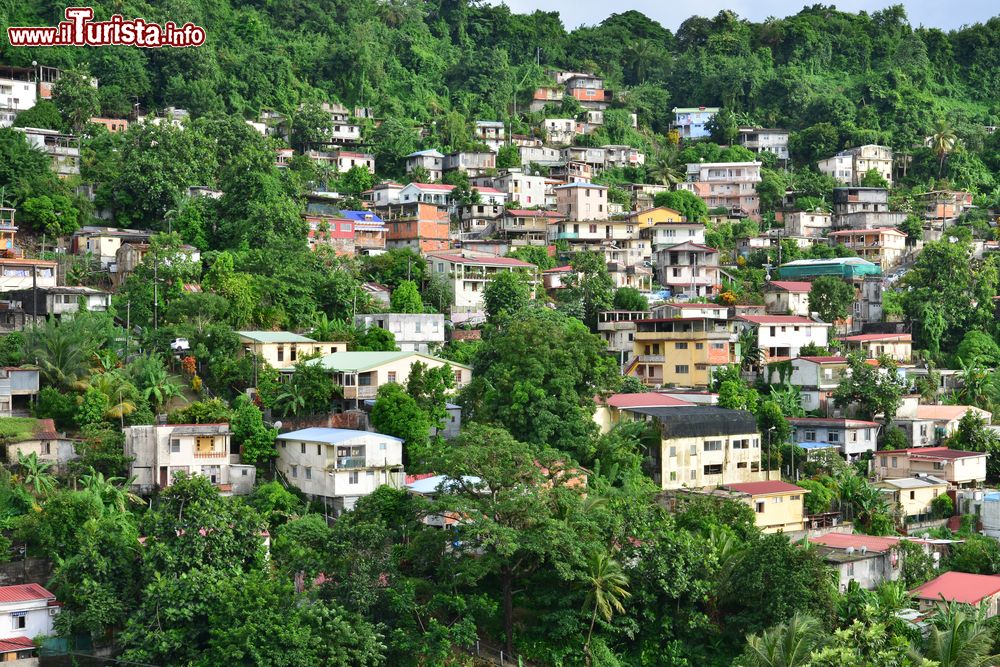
(559, 131)
(815, 377)
(130, 256)
(103, 242)
(18, 91)
(473, 164)
(849, 268)
(852, 437)
(426, 193)
(431, 161)
(928, 424)
(159, 452)
(731, 185)
(618, 328)
(663, 227)
(478, 221)
(362, 373)
(338, 466)
(611, 410)
(765, 140)
(787, 297)
(692, 122)
(527, 227)
(544, 95)
(26, 273)
(490, 196)
(850, 166)
(778, 506)
(423, 227)
(414, 332)
(112, 125)
(282, 349)
(27, 611)
(617, 155)
(572, 172)
(18, 390)
(914, 495)
(865, 559)
(343, 161)
(369, 232)
(545, 156)
(701, 445)
(809, 224)
(46, 443)
(489, 132)
(283, 157)
(383, 194)
(63, 150)
(956, 467)
(379, 293)
(556, 278)
(522, 190)
(469, 274)
(582, 202)
(939, 207)
(884, 246)
(864, 208)
(588, 90)
(689, 268)
(898, 347)
(672, 309)
(786, 335)
(592, 157)
(961, 587)
(682, 351)
(41, 302)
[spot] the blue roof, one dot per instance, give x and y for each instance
(331, 435)
(361, 216)
(811, 444)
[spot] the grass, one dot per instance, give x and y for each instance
(14, 429)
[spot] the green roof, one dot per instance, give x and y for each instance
(359, 362)
(844, 267)
(274, 337)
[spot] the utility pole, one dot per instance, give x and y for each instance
(155, 296)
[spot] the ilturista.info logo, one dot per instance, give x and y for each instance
(80, 29)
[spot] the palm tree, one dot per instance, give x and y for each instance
(153, 381)
(665, 173)
(752, 355)
(976, 384)
(786, 645)
(113, 491)
(35, 474)
(290, 401)
(607, 586)
(960, 637)
(119, 392)
(943, 141)
(61, 357)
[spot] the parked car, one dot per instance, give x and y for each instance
(180, 345)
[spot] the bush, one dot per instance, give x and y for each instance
(52, 404)
(943, 506)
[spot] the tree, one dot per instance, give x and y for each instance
(831, 298)
(591, 284)
(254, 438)
(688, 204)
(45, 115)
(396, 413)
(629, 298)
(976, 554)
(974, 435)
(788, 644)
(873, 179)
(406, 298)
(960, 636)
(872, 390)
(53, 215)
(607, 587)
(76, 97)
(35, 474)
(942, 506)
(508, 292)
(943, 141)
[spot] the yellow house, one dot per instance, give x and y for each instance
(914, 495)
(682, 351)
(611, 409)
(654, 216)
(778, 506)
(282, 349)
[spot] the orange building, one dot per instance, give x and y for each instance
(423, 227)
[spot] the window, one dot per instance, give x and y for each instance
(833, 436)
(681, 370)
(741, 444)
(673, 476)
(19, 619)
(759, 507)
(810, 436)
(392, 376)
(281, 353)
(714, 469)
(913, 495)
(175, 446)
(938, 465)
(352, 477)
(868, 434)
(381, 445)
(309, 473)
(779, 500)
(302, 447)
(680, 346)
(741, 464)
(593, 229)
(699, 346)
(319, 450)
(693, 450)
(46, 448)
(458, 377)
(713, 446)
(694, 473)
(673, 451)
(295, 471)
(895, 462)
(794, 498)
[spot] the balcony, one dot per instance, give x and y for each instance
(651, 358)
(368, 391)
(211, 455)
(568, 235)
(350, 462)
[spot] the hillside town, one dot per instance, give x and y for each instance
(570, 375)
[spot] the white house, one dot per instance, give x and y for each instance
(427, 193)
(469, 273)
(852, 437)
(414, 332)
(384, 194)
(692, 122)
(158, 452)
(786, 335)
(26, 611)
(338, 466)
(787, 297)
(430, 160)
(815, 377)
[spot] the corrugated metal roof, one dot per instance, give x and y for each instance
(24, 593)
(331, 436)
(275, 337)
(959, 587)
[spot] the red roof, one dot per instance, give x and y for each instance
(12, 644)
(527, 213)
(410, 479)
(864, 338)
(713, 306)
(779, 319)
(489, 191)
(434, 186)
(644, 400)
(826, 360)
(24, 593)
(844, 541)
(760, 488)
(489, 261)
(559, 269)
(959, 587)
(790, 285)
(940, 453)
(882, 230)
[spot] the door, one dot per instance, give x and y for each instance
(163, 475)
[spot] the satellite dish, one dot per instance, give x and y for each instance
(277, 424)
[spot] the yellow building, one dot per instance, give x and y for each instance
(682, 351)
(611, 409)
(654, 216)
(778, 506)
(282, 349)
(701, 446)
(913, 495)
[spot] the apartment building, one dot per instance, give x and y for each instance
(63, 150)
(522, 190)
(815, 377)
(430, 160)
(618, 328)
(682, 351)
(337, 466)
(414, 332)
(851, 437)
(730, 185)
(582, 201)
(956, 467)
(808, 224)
(850, 166)
(765, 140)
(689, 268)
(159, 452)
(473, 164)
(559, 131)
(423, 226)
(786, 335)
(490, 132)
(469, 273)
(864, 208)
(884, 246)
(692, 122)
